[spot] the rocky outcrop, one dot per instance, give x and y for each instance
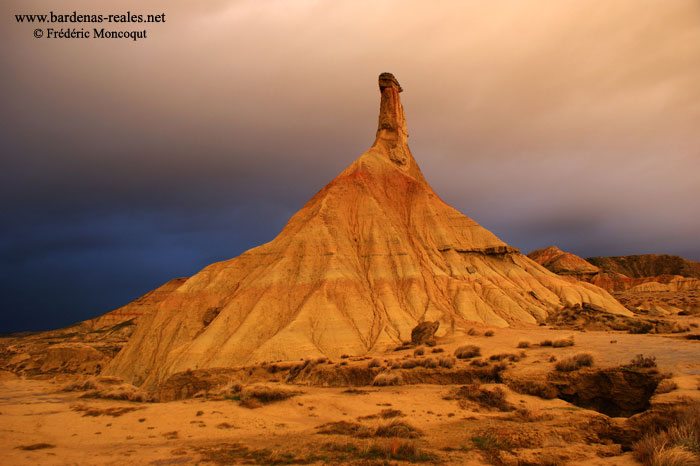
(648, 265)
(660, 294)
(563, 263)
(424, 332)
(370, 256)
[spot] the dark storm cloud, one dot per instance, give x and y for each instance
(126, 164)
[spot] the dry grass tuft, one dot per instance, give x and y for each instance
(420, 351)
(575, 362)
(342, 428)
(123, 392)
(376, 362)
(397, 429)
(387, 413)
(35, 446)
(448, 362)
(379, 453)
(494, 398)
(509, 356)
(80, 385)
(257, 395)
(524, 344)
(675, 443)
(430, 363)
(489, 333)
(563, 342)
(111, 388)
(467, 351)
(386, 379)
(410, 363)
(546, 343)
(89, 411)
(394, 429)
(642, 362)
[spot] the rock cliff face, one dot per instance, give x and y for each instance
(642, 273)
(563, 263)
(369, 257)
(657, 284)
(648, 265)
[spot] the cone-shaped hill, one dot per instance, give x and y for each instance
(372, 254)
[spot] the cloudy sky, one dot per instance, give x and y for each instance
(125, 164)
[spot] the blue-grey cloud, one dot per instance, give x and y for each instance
(126, 164)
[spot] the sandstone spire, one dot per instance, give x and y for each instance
(370, 256)
(391, 130)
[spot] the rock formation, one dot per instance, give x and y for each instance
(660, 284)
(370, 256)
(647, 265)
(563, 263)
(424, 332)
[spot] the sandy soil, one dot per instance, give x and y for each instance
(76, 430)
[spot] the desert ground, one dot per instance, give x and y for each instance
(462, 414)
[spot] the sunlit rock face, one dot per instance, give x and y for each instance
(370, 256)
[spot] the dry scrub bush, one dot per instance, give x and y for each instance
(430, 363)
(257, 395)
(394, 429)
(509, 356)
(91, 383)
(575, 362)
(232, 388)
(656, 450)
(563, 342)
(534, 388)
(35, 446)
(420, 351)
(387, 413)
(489, 333)
(395, 449)
(494, 398)
(375, 363)
(467, 351)
(79, 386)
(643, 362)
(546, 343)
(438, 350)
(524, 344)
(112, 388)
(448, 362)
(410, 363)
(472, 332)
(675, 443)
(397, 429)
(123, 392)
(385, 379)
